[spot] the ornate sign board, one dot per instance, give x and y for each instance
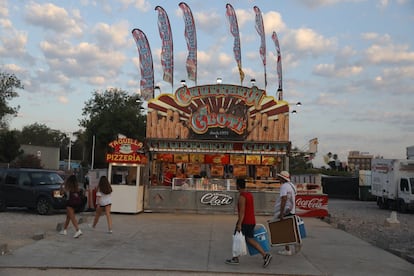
(213, 147)
(221, 111)
(126, 150)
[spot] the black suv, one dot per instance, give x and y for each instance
(31, 188)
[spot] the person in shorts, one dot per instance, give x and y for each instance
(103, 202)
(71, 188)
(246, 222)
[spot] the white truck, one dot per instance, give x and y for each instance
(393, 183)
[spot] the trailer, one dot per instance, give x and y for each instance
(393, 183)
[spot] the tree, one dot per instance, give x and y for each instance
(9, 146)
(41, 135)
(27, 161)
(8, 85)
(108, 114)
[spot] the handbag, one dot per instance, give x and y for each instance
(75, 200)
(239, 244)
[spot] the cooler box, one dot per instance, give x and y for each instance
(301, 226)
(261, 236)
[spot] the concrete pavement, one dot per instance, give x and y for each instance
(193, 244)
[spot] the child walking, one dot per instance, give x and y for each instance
(103, 201)
(71, 188)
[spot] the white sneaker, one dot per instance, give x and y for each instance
(77, 234)
(110, 231)
(63, 232)
(285, 252)
(90, 225)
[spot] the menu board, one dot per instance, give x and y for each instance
(170, 168)
(196, 158)
(193, 169)
(237, 159)
(253, 159)
(269, 160)
(165, 157)
(181, 158)
(262, 171)
(239, 170)
(217, 170)
(217, 159)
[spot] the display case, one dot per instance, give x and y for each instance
(183, 184)
(204, 184)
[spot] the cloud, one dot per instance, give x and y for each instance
(329, 100)
(112, 36)
(307, 41)
(13, 45)
(273, 22)
(313, 4)
(63, 99)
(391, 54)
(141, 5)
(208, 21)
(331, 70)
(54, 18)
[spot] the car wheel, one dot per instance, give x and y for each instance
(2, 205)
(43, 206)
(402, 208)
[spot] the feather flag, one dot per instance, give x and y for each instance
(191, 38)
(167, 59)
(279, 60)
(234, 29)
(146, 64)
(260, 30)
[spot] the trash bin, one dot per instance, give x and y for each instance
(364, 193)
(262, 237)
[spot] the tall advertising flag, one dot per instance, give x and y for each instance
(279, 63)
(260, 30)
(167, 59)
(191, 38)
(234, 29)
(146, 64)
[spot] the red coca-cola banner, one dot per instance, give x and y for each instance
(312, 205)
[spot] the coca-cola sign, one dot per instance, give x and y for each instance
(216, 199)
(312, 205)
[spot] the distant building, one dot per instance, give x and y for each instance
(359, 160)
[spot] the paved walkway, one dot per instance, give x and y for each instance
(191, 244)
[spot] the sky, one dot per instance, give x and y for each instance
(349, 62)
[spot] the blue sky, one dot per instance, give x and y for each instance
(349, 62)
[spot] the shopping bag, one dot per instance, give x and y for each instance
(239, 245)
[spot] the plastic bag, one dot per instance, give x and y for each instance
(239, 245)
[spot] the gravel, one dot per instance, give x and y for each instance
(362, 219)
(366, 221)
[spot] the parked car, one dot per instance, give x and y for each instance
(32, 188)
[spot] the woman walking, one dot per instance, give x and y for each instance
(104, 201)
(71, 188)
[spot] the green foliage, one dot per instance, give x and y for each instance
(8, 85)
(9, 146)
(108, 114)
(27, 161)
(41, 135)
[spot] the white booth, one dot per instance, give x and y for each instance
(126, 175)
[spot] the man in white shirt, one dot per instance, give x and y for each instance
(285, 204)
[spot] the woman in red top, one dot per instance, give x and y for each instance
(246, 222)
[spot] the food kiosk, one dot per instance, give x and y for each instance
(200, 139)
(126, 173)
